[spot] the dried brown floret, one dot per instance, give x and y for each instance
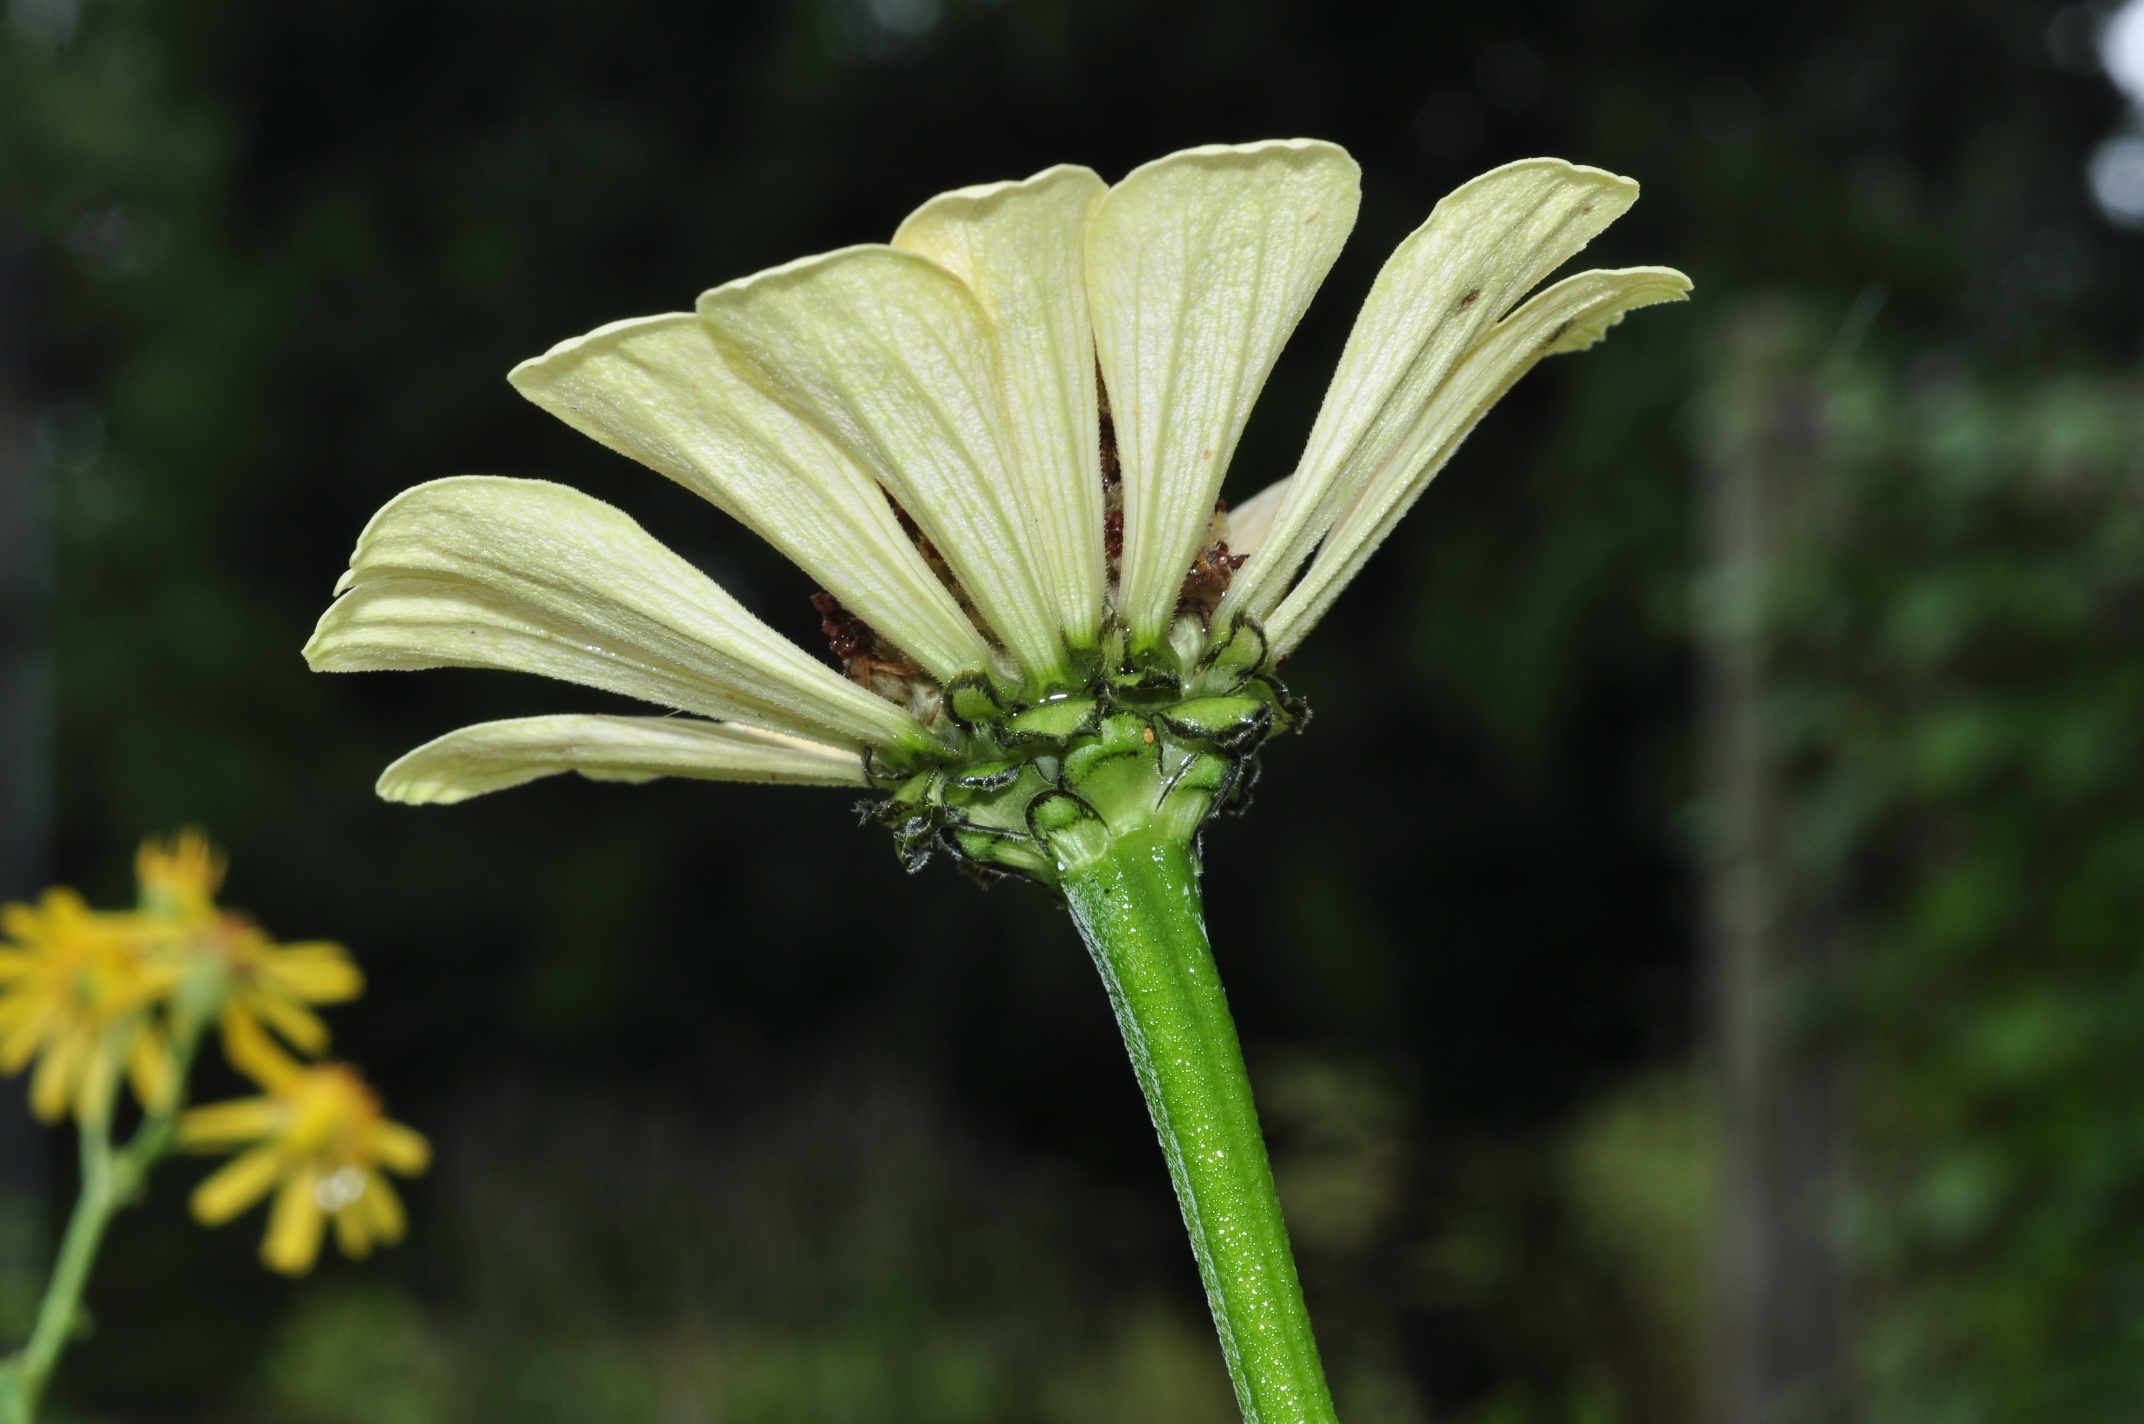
(1112, 486)
(868, 660)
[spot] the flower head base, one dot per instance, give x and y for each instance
(998, 444)
(78, 988)
(319, 1141)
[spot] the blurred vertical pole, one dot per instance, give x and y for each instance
(25, 753)
(1779, 1355)
(25, 599)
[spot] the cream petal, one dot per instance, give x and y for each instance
(1570, 316)
(1199, 266)
(1483, 247)
(492, 756)
(657, 390)
(895, 358)
(522, 575)
(1250, 521)
(1019, 247)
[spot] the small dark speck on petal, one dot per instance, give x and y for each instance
(1469, 299)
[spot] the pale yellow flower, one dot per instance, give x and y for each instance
(997, 443)
(78, 990)
(319, 1141)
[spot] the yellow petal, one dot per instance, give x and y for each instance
(56, 912)
(23, 1034)
(248, 1048)
(300, 1027)
(892, 356)
(222, 1125)
(1020, 247)
(98, 1082)
(658, 391)
(1485, 245)
(1199, 266)
(316, 971)
(401, 1148)
(353, 1230)
(236, 1185)
(14, 964)
(1569, 316)
(492, 756)
(294, 1224)
(533, 577)
(59, 1074)
(383, 1208)
(152, 1070)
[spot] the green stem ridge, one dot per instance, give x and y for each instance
(1135, 898)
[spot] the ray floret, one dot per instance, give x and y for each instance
(492, 756)
(1019, 248)
(1199, 266)
(894, 358)
(521, 575)
(656, 390)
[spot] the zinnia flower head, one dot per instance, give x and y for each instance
(318, 1140)
(78, 993)
(998, 444)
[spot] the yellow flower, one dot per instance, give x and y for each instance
(179, 877)
(261, 985)
(77, 987)
(318, 1140)
(271, 986)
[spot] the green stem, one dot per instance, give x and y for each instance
(110, 1181)
(93, 1208)
(1137, 905)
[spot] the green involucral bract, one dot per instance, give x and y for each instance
(1039, 789)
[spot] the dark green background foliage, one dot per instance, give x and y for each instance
(1962, 690)
(734, 1120)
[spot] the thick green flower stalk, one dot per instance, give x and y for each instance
(998, 444)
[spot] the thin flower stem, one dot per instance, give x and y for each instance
(93, 1208)
(110, 1180)
(1138, 908)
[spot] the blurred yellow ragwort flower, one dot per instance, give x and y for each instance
(318, 1140)
(77, 990)
(179, 878)
(264, 985)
